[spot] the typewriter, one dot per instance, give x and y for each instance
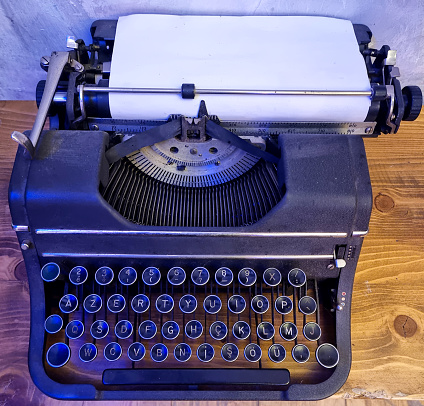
(157, 275)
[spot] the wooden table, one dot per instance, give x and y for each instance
(388, 299)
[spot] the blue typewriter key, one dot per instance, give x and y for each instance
(127, 276)
(236, 304)
(300, 353)
(241, 330)
(327, 355)
(212, 304)
(136, 351)
(283, 305)
(265, 330)
(170, 330)
(164, 303)
(159, 352)
(147, 329)
(218, 330)
(288, 331)
(123, 329)
(277, 353)
(193, 329)
(205, 352)
(229, 352)
(112, 351)
(252, 352)
(87, 352)
(53, 324)
(259, 304)
(312, 331)
(99, 329)
(116, 303)
(78, 275)
(247, 276)
(50, 272)
(307, 305)
(104, 275)
(272, 277)
(151, 276)
(74, 329)
(176, 276)
(68, 303)
(224, 276)
(182, 352)
(297, 277)
(140, 303)
(92, 303)
(200, 276)
(188, 304)
(58, 355)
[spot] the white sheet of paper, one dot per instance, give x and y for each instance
(222, 52)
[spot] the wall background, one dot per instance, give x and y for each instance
(32, 28)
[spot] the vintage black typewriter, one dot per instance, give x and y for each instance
(154, 275)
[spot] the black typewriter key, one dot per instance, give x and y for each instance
(307, 305)
(151, 276)
(259, 304)
(229, 352)
(224, 276)
(136, 351)
(182, 352)
(200, 276)
(188, 304)
(176, 276)
(277, 353)
(218, 330)
(164, 303)
(265, 330)
(159, 352)
(78, 275)
(236, 304)
(252, 352)
(50, 272)
(272, 277)
(127, 276)
(283, 305)
(123, 329)
(112, 351)
(297, 277)
(212, 304)
(300, 353)
(288, 331)
(205, 352)
(87, 352)
(241, 330)
(104, 275)
(312, 331)
(140, 303)
(99, 329)
(327, 355)
(193, 329)
(53, 324)
(92, 303)
(74, 329)
(68, 303)
(247, 276)
(147, 329)
(116, 303)
(170, 330)
(58, 355)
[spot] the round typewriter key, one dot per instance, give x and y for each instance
(259, 304)
(327, 355)
(252, 352)
(87, 352)
(182, 352)
(136, 351)
(50, 272)
(283, 305)
(147, 329)
(205, 352)
(164, 303)
(229, 352)
(53, 324)
(140, 303)
(123, 329)
(241, 330)
(224, 276)
(218, 330)
(265, 330)
(151, 276)
(159, 352)
(176, 275)
(116, 303)
(288, 331)
(127, 276)
(74, 329)
(272, 277)
(200, 276)
(297, 277)
(312, 331)
(307, 305)
(236, 304)
(300, 353)
(112, 351)
(212, 304)
(92, 303)
(193, 329)
(104, 275)
(99, 329)
(78, 275)
(188, 304)
(277, 353)
(247, 276)
(68, 303)
(170, 330)
(58, 355)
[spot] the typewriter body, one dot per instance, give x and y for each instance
(155, 277)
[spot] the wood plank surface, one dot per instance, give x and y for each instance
(388, 297)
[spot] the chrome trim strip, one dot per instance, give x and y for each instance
(20, 228)
(359, 233)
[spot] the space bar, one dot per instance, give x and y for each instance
(196, 376)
